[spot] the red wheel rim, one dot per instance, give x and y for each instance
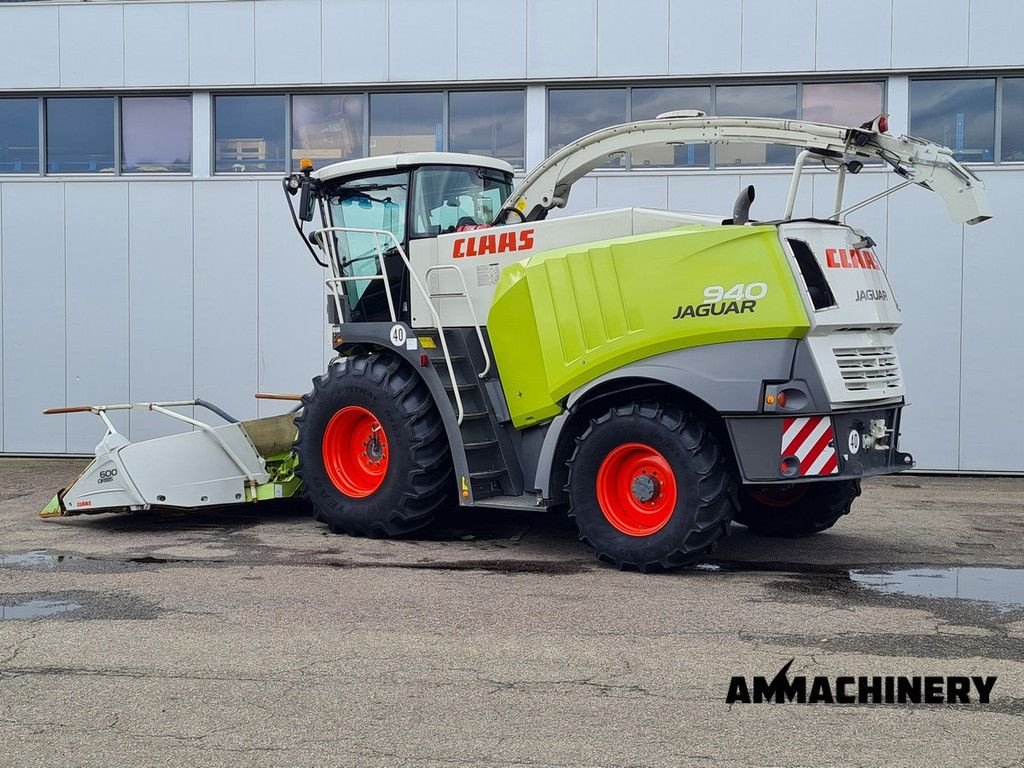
(779, 497)
(355, 451)
(636, 489)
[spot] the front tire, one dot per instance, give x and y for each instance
(796, 510)
(373, 453)
(650, 487)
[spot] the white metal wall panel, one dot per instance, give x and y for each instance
(778, 36)
(582, 198)
(536, 125)
(633, 191)
(160, 300)
(770, 192)
(292, 317)
(632, 37)
(33, 309)
(30, 54)
(929, 34)
(713, 195)
(704, 38)
(96, 237)
(156, 44)
(994, 34)
(226, 251)
(221, 43)
(924, 263)
(355, 41)
(91, 46)
(421, 39)
(561, 38)
(486, 52)
(277, 24)
(992, 374)
(844, 42)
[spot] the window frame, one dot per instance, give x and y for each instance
(40, 139)
(119, 127)
(116, 138)
(286, 128)
(997, 112)
(42, 121)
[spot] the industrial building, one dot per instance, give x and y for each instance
(146, 253)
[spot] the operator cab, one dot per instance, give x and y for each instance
(412, 196)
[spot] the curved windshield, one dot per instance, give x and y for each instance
(450, 197)
(372, 202)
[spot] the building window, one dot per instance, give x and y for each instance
(755, 101)
(328, 128)
(406, 122)
(573, 113)
(1012, 150)
(80, 135)
(19, 135)
(250, 134)
(488, 123)
(959, 114)
(842, 103)
(156, 134)
(648, 103)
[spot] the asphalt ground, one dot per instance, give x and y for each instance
(251, 636)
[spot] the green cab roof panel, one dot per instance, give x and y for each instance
(564, 317)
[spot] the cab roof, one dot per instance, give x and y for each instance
(406, 160)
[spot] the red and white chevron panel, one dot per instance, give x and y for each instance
(812, 440)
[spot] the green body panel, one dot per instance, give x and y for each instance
(564, 317)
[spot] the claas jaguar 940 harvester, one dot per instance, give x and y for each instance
(658, 374)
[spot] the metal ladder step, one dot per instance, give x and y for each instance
(480, 446)
(487, 474)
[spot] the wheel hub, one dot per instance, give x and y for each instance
(645, 488)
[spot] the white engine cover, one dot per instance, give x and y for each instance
(853, 341)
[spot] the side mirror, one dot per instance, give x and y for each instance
(306, 199)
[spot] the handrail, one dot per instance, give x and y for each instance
(339, 278)
(472, 310)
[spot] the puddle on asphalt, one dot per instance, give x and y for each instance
(1003, 588)
(37, 609)
(37, 560)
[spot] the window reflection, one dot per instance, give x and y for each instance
(327, 128)
(19, 136)
(842, 103)
(488, 123)
(648, 103)
(1013, 120)
(80, 135)
(573, 113)
(250, 134)
(959, 114)
(406, 122)
(157, 134)
(755, 101)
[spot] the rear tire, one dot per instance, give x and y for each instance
(373, 452)
(650, 487)
(796, 510)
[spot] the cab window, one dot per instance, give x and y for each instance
(371, 202)
(449, 197)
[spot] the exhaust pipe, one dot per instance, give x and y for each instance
(741, 208)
